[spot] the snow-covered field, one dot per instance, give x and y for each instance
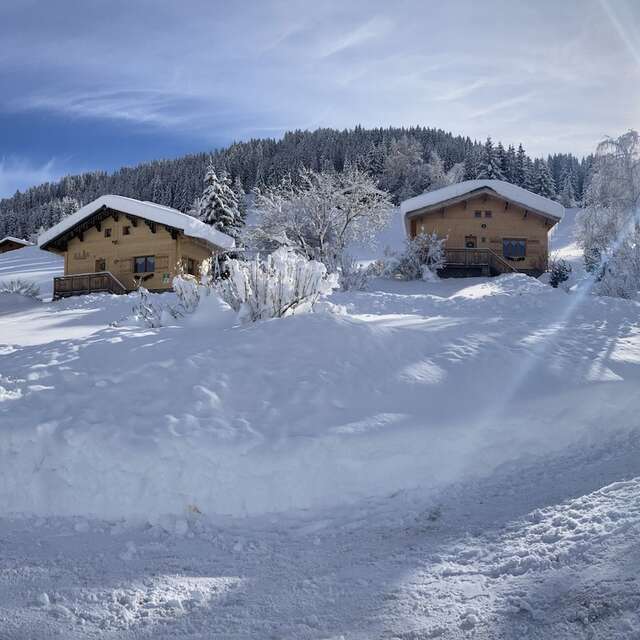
(452, 459)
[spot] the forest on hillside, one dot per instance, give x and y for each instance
(401, 160)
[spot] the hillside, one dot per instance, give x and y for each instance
(396, 157)
(450, 459)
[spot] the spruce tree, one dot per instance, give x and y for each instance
(543, 183)
(521, 168)
(218, 205)
(489, 168)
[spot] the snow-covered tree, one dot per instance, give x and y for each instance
(322, 215)
(543, 183)
(608, 229)
(567, 191)
(437, 175)
(404, 168)
(218, 205)
(489, 165)
(521, 167)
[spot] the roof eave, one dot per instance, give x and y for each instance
(446, 203)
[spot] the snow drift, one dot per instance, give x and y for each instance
(415, 384)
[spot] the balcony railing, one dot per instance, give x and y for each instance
(478, 258)
(80, 283)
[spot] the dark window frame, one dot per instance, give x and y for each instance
(100, 265)
(488, 214)
(148, 263)
(477, 214)
(107, 232)
(191, 267)
(514, 248)
(126, 230)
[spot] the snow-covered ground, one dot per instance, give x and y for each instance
(452, 459)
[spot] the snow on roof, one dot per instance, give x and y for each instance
(189, 225)
(518, 195)
(26, 243)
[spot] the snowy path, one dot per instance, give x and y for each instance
(540, 551)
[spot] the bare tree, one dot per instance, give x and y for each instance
(322, 215)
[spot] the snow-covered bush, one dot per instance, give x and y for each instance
(146, 311)
(279, 285)
(353, 275)
(559, 271)
(187, 290)
(422, 258)
(21, 287)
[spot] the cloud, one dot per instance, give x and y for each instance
(18, 174)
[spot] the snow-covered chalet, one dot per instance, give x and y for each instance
(115, 244)
(490, 226)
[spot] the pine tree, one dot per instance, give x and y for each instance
(501, 159)
(567, 191)
(489, 167)
(543, 183)
(521, 168)
(511, 171)
(218, 205)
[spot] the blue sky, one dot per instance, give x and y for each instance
(101, 84)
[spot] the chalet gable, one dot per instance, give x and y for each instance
(153, 215)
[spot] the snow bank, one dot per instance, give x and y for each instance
(418, 385)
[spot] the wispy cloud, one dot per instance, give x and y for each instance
(501, 105)
(374, 28)
(18, 173)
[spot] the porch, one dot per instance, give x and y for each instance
(475, 262)
(81, 283)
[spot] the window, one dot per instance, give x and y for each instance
(191, 266)
(514, 249)
(488, 214)
(101, 265)
(477, 214)
(107, 232)
(126, 231)
(414, 228)
(144, 264)
(483, 239)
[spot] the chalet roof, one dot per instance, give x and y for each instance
(158, 213)
(25, 243)
(455, 192)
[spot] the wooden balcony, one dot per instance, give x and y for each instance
(81, 283)
(485, 261)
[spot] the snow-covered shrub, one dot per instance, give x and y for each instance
(559, 271)
(187, 290)
(422, 258)
(146, 311)
(281, 284)
(353, 275)
(21, 287)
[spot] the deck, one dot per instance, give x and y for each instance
(81, 283)
(476, 261)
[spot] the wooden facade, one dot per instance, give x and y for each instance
(487, 225)
(117, 252)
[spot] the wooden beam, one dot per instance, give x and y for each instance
(506, 205)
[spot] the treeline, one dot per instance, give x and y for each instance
(400, 159)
